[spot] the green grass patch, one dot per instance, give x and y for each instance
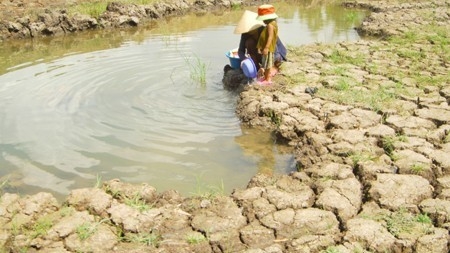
(97, 8)
(361, 157)
(138, 203)
(376, 100)
(86, 230)
(424, 218)
(418, 168)
(402, 222)
(41, 226)
(195, 238)
(342, 57)
(149, 239)
(94, 9)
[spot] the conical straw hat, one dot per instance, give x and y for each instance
(248, 22)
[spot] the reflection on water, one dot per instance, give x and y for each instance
(121, 104)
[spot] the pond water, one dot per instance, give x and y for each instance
(127, 104)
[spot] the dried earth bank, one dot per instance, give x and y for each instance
(374, 169)
(40, 18)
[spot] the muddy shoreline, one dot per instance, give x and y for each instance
(374, 165)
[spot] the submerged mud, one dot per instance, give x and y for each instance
(374, 169)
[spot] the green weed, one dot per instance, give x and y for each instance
(98, 182)
(149, 239)
(330, 249)
(41, 226)
(417, 168)
(341, 57)
(66, 211)
(205, 191)
(4, 184)
(399, 222)
(195, 238)
(361, 157)
(93, 9)
(138, 203)
(388, 145)
(351, 16)
(86, 230)
(423, 218)
(236, 6)
(197, 69)
(342, 85)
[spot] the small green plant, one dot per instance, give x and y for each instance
(208, 191)
(3, 184)
(274, 118)
(341, 57)
(423, 218)
(93, 9)
(98, 182)
(236, 6)
(41, 226)
(16, 228)
(388, 144)
(330, 249)
(197, 69)
(399, 222)
(361, 157)
(66, 211)
(417, 168)
(351, 16)
(138, 203)
(195, 238)
(86, 230)
(149, 239)
(342, 85)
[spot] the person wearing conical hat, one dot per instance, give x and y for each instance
(249, 28)
(267, 40)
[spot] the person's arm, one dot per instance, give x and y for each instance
(269, 39)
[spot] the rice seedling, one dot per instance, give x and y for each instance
(197, 69)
